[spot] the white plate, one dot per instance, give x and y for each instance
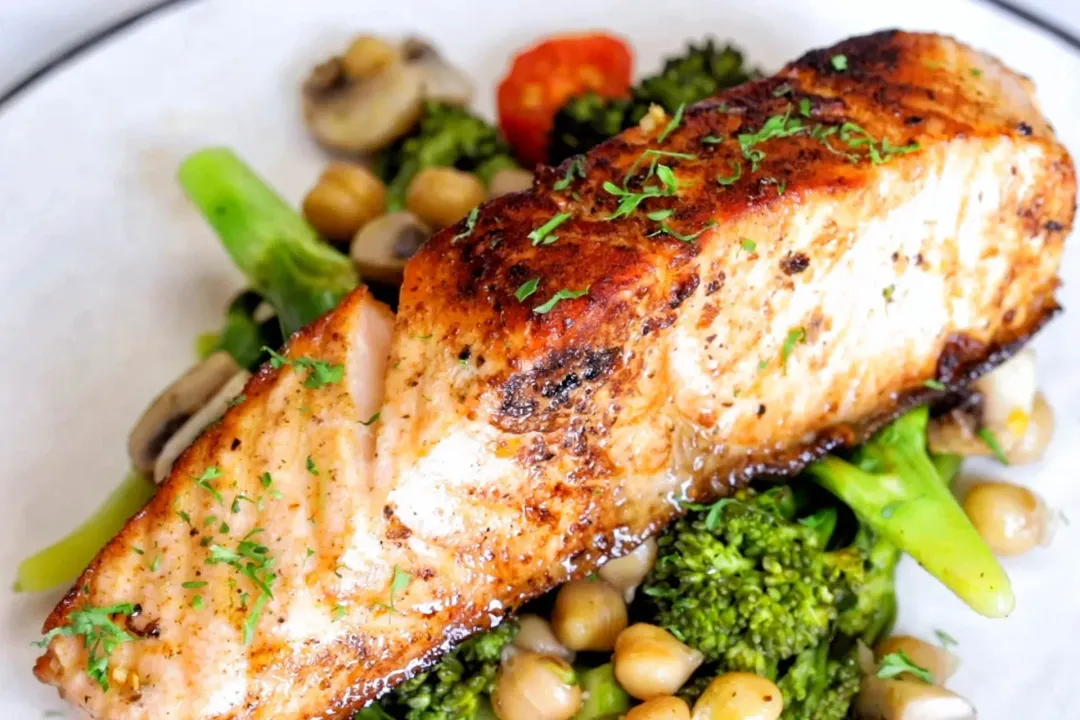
(107, 274)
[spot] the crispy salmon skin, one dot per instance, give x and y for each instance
(702, 299)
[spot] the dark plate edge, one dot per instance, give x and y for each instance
(73, 52)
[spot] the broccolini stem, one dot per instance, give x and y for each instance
(62, 562)
(282, 256)
(893, 486)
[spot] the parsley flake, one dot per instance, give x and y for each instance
(749, 245)
(559, 297)
(667, 230)
(712, 140)
(526, 289)
(576, 166)
(934, 385)
(338, 612)
(736, 173)
(543, 234)
(898, 663)
(311, 467)
(839, 62)
(945, 639)
(470, 225)
(197, 602)
(266, 480)
(658, 215)
(100, 635)
(804, 107)
(373, 419)
(987, 436)
(193, 584)
(320, 372)
(777, 126)
(796, 336)
(236, 400)
(674, 123)
(211, 473)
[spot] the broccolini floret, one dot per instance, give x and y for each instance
(446, 136)
(701, 72)
(456, 688)
(819, 685)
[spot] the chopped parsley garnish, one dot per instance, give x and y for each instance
(559, 297)
(470, 225)
(898, 663)
(576, 167)
(804, 107)
(197, 602)
(543, 234)
(736, 173)
(311, 467)
(398, 585)
(237, 400)
(945, 639)
(373, 419)
(137, 551)
(976, 72)
(185, 517)
(253, 561)
(667, 230)
(796, 336)
(782, 90)
(674, 123)
(777, 126)
(156, 563)
(987, 436)
(839, 62)
(887, 292)
(712, 140)
(879, 152)
(934, 385)
(100, 636)
(211, 473)
(526, 289)
(338, 612)
(659, 215)
(749, 245)
(193, 584)
(266, 480)
(654, 160)
(320, 372)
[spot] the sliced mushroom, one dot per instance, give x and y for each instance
(361, 115)
(909, 700)
(172, 408)
(214, 408)
(442, 81)
(510, 180)
(382, 246)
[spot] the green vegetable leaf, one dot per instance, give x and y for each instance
(667, 230)
(543, 234)
(100, 634)
(934, 385)
(674, 123)
(193, 584)
(319, 372)
(839, 62)
(211, 473)
(373, 419)
(559, 297)
(749, 245)
(576, 167)
(526, 289)
(311, 467)
(736, 173)
(990, 440)
(898, 663)
(470, 225)
(795, 336)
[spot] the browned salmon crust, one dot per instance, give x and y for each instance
(907, 226)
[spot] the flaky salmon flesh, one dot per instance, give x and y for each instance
(698, 301)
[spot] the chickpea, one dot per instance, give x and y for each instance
(509, 180)
(442, 196)
(367, 56)
(1029, 445)
(739, 696)
(661, 708)
(345, 199)
(651, 662)
(535, 687)
(535, 635)
(1011, 519)
(588, 615)
(627, 572)
(940, 662)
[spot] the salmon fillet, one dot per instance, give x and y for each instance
(560, 383)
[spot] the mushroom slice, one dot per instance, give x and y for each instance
(381, 247)
(172, 408)
(909, 700)
(214, 408)
(442, 81)
(362, 115)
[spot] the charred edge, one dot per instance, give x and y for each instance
(794, 263)
(876, 52)
(531, 399)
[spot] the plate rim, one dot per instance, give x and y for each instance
(47, 69)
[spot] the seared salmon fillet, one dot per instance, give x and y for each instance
(729, 292)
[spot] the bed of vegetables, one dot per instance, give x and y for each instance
(774, 603)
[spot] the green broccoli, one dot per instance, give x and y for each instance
(893, 485)
(457, 687)
(284, 259)
(701, 72)
(243, 336)
(820, 685)
(446, 136)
